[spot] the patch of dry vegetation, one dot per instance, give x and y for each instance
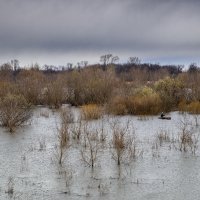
(191, 107)
(63, 133)
(123, 143)
(91, 111)
(145, 101)
(132, 88)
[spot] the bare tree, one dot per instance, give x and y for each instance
(105, 59)
(84, 63)
(108, 59)
(15, 64)
(134, 60)
(114, 59)
(69, 66)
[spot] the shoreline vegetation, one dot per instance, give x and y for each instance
(79, 146)
(133, 88)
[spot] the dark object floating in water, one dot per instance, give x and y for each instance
(168, 118)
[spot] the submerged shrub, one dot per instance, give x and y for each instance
(14, 111)
(123, 143)
(63, 133)
(91, 111)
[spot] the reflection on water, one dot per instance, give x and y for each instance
(29, 167)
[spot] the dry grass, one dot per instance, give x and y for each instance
(194, 107)
(117, 106)
(91, 111)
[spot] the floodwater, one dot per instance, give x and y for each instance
(29, 166)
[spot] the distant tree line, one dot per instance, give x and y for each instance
(106, 61)
(129, 88)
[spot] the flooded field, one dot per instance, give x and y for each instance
(161, 167)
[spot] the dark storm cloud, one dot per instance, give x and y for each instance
(146, 26)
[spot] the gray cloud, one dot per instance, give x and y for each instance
(149, 28)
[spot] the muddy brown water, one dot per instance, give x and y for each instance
(29, 167)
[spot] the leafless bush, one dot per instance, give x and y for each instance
(63, 143)
(76, 129)
(123, 144)
(91, 146)
(63, 133)
(160, 138)
(14, 111)
(102, 134)
(66, 115)
(188, 138)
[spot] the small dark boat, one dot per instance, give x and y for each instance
(168, 118)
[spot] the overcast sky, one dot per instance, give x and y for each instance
(62, 31)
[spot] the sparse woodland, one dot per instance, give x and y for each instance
(132, 88)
